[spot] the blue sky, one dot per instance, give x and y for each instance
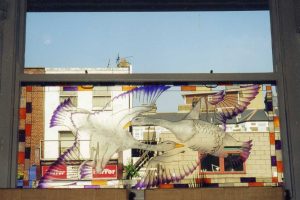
(153, 42)
(174, 42)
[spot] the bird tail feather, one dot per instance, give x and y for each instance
(244, 154)
(246, 148)
(62, 115)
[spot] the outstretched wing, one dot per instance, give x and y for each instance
(225, 104)
(67, 115)
(143, 98)
(166, 168)
(101, 150)
(142, 95)
(71, 154)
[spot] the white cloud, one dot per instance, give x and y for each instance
(47, 39)
(47, 42)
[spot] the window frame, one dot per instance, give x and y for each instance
(21, 79)
(222, 166)
(108, 95)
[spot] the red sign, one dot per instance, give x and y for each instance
(109, 172)
(70, 172)
(60, 173)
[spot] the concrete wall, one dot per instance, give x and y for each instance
(57, 194)
(250, 193)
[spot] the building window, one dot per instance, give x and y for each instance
(224, 165)
(232, 163)
(66, 140)
(68, 92)
(101, 98)
(210, 164)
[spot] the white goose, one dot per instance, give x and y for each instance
(105, 130)
(198, 135)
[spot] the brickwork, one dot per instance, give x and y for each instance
(31, 132)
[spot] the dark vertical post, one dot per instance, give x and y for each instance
(12, 19)
(286, 52)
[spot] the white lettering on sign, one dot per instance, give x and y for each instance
(108, 171)
(57, 173)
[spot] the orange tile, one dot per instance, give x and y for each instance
(274, 179)
(21, 157)
(28, 130)
(202, 180)
(166, 186)
(22, 113)
(276, 122)
(279, 166)
(99, 182)
(85, 88)
(127, 87)
(272, 138)
(28, 88)
(268, 88)
(188, 88)
(256, 184)
(206, 180)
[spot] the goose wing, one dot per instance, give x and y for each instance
(67, 115)
(101, 150)
(167, 167)
(141, 95)
(225, 104)
(68, 155)
(143, 98)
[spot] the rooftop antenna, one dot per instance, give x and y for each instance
(118, 59)
(108, 64)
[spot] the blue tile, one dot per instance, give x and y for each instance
(248, 179)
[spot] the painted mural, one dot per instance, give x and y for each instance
(218, 138)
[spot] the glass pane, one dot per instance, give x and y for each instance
(220, 135)
(149, 42)
(210, 164)
(231, 166)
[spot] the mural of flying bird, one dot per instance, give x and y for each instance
(198, 135)
(105, 130)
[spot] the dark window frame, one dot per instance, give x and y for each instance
(139, 5)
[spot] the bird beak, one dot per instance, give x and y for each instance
(177, 145)
(127, 125)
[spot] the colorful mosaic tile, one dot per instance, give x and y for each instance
(27, 152)
(273, 161)
(22, 124)
(277, 144)
(70, 88)
(21, 135)
(248, 179)
(28, 88)
(272, 138)
(188, 88)
(21, 146)
(255, 184)
(22, 113)
(28, 130)
(21, 157)
(28, 107)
